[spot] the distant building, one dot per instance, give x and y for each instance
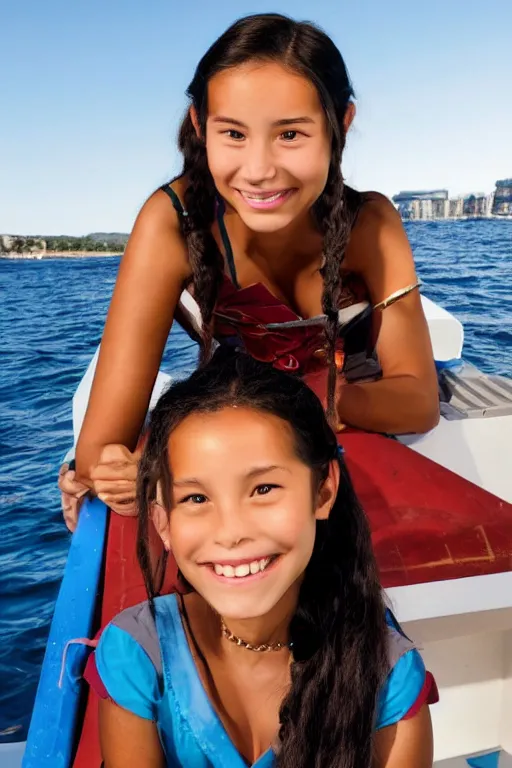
(435, 204)
(502, 200)
(420, 204)
(475, 206)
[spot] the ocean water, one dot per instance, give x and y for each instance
(51, 315)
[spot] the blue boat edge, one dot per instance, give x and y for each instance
(51, 735)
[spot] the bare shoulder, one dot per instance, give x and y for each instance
(156, 235)
(377, 210)
(159, 211)
(378, 235)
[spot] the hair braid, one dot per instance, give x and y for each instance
(205, 257)
(335, 223)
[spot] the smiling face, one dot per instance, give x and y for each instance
(267, 143)
(243, 513)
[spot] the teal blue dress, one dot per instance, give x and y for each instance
(148, 669)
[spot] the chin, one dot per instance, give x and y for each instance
(266, 223)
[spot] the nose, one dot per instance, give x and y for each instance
(259, 163)
(230, 528)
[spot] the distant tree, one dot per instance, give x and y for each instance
(18, 244)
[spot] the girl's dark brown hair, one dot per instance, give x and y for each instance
(339, 628)
(305, 49)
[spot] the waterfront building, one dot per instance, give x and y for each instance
(440, 209)
(458, 207)
(475, 206)
(502, 199)
(436, 205)
(418, 204)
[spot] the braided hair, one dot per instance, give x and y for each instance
(303, 48)
(338, 632)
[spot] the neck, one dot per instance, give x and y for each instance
(300, 238)
(273, 627)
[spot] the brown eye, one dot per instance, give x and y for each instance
(264, 489)
(194, 498)
(289, 135)
(236, 135)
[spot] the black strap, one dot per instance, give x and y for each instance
(227, 244)
(169, 191)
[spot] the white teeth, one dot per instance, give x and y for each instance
(240, 571)
(263, 198)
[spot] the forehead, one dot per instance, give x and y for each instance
(262, 88)
(229, 440)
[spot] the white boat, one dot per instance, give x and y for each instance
(462, 625)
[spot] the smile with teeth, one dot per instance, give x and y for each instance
(264, 196)
(243, 570)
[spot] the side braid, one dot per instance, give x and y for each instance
(205, 257)
(335, 223)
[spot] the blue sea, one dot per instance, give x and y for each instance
(52, 314)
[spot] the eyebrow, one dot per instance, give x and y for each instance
(255, 472)
(263, 470)
(283, 121)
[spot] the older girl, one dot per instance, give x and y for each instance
(281, 256)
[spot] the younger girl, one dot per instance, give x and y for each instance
(281, 653)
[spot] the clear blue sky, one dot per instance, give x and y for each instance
(91, 94)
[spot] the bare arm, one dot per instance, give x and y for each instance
(406, 398)
(408, 744)
(151, 277)
(128, 741)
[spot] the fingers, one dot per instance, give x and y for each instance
(113, 480)
(115, 463)
(117, 498)
(113, 453)
(127, 509)
(114, 487)
(68, 484)
(117, 471)
(70, 511)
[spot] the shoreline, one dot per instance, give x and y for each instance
(59, 255)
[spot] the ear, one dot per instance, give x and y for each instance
(326, 495)
(160, 519)
(195, 121)
(350, 113)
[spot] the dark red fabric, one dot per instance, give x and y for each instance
(245, 312)
(91, 676)
(428, 695)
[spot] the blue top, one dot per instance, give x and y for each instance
(150, 671)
